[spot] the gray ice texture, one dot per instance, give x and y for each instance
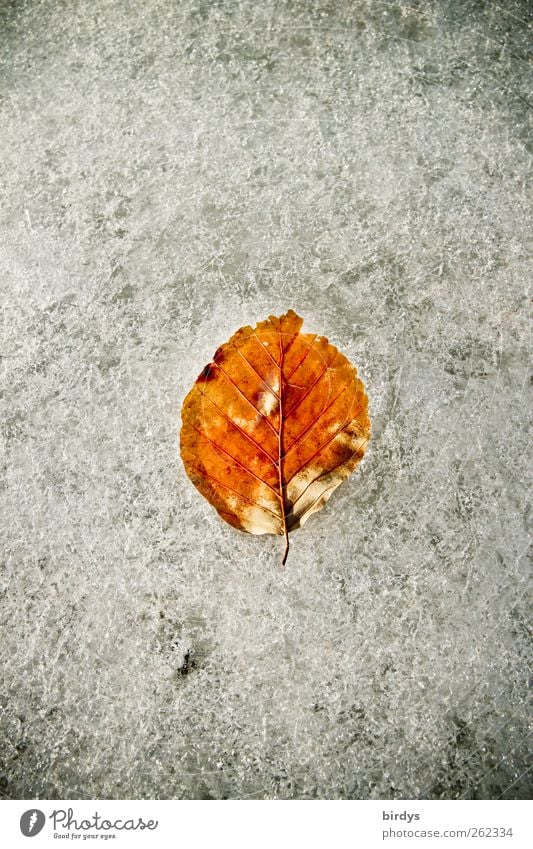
(171, 171)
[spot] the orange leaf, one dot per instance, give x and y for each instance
(273, 425)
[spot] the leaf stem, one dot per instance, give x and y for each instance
(287, 544)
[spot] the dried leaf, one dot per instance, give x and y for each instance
(273, 425)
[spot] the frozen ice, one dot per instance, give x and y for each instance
(169, 173)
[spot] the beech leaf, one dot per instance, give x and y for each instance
(273, 425)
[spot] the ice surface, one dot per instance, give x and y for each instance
(170, 172)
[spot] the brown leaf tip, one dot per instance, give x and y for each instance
(206, 374)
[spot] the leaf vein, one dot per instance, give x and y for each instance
(327, 472)
(333, 486)
(262, 379)
(247, 435)
(304, 396)
(325, 445)
(314, 422)
(231, 457)
(252, 405)
(206, 474)
(264, 347)
(297, 366)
